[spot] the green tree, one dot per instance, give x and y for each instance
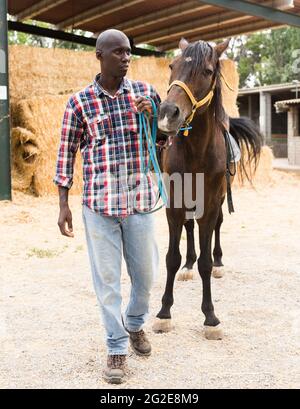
(16, 37)
(73, 46)
(267, 57)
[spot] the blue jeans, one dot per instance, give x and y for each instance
(106, 237)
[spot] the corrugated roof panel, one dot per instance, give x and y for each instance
(16, 6)
(126, 14)
(155, 33)
(68, 10)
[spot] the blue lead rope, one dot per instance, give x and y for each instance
(186, 129)
(150, 135)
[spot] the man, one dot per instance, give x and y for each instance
(102, 119)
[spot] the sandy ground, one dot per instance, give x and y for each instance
(51, 335)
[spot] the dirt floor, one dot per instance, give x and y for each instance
(51, 335)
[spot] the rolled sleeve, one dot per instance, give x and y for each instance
(72, 130)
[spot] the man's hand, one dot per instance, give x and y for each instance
(65, 217)
(143, 104)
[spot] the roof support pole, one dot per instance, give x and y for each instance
(5, 173)
(265, 117)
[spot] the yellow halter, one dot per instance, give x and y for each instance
(195, 104)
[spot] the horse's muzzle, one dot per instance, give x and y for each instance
(169, 120)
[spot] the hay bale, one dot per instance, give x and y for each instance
(263, 174)
(24, 156)
(37, 71)
(153, 70)
(229, 96)
(35, 141)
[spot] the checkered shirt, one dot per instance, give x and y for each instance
(106, 129)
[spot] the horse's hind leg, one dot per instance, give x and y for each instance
(186, 273)
(218, 270)
(173, 261)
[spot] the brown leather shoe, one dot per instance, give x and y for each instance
(115, 369)
(140, 343)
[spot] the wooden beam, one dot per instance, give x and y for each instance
(73, 38)
(190, 27)
(223, 33)
(180, 10)
(38, 8)
(243, 29)
(187, 28)
(109, 7)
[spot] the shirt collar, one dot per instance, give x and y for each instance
(125, 86)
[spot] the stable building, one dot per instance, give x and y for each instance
(292, 109)
(259, 104)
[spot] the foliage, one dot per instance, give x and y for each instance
(267, 57)
(15, 37)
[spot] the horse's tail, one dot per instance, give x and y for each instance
(250, 141)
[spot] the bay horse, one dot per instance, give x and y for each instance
(200, 148)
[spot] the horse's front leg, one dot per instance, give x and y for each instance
(212, 325)
(186, 273)
(173, 261)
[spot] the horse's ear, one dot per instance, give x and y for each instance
(220, 48)
(183, 43)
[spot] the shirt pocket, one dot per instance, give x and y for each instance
(132, 126)
(99, 129)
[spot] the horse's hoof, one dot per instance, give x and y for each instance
(218, 272)
(162, 325)
(213, 333)
(185, 274)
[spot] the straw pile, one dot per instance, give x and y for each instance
(263, 174)
(35, 140)
(24, 154)
(39, 71)
(49, 76)
(229, 96)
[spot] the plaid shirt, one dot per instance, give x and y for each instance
(106, 129)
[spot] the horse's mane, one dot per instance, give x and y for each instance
(200, 52)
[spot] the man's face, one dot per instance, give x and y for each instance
(115, 57)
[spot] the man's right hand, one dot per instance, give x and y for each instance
(65, 218)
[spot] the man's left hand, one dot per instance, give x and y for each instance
(143, 104)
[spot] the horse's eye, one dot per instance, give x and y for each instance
(208, 72)
(170, 66)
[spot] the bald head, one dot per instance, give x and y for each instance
(113, 51)
(110, 38)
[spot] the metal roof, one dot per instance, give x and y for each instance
(161, 23)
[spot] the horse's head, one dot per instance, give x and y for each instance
(196, 76)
